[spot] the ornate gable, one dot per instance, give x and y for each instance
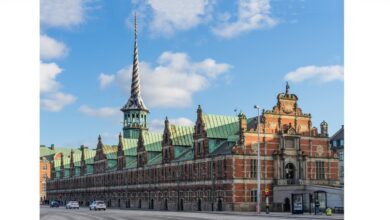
(167, 144)
(121, 159)
(100, 160)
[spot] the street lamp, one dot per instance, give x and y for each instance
(258, 209)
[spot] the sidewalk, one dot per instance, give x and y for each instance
(282, 214)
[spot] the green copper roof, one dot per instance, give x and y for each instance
(186, 155)
(45, 152)
(181, 135)
(155, 160)
(131, 162)
(220, 126)
(130, 146)
(110, 152)
(152, 141)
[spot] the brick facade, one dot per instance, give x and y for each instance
(293, 153)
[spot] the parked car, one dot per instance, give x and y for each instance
(54, 203)
(72, 205)
(97, 205)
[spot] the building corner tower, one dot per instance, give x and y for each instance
(134, 111)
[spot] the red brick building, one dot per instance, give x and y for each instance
(209, 166)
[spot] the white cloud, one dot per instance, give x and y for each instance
(49, 72)
(105, 80)
(104, 112)
(320, 73)
(174, 80)
(51, 48)
(172, 15)
(158, 125)
(51, 98)
(62, 13)
(56, 101)
(252, 15)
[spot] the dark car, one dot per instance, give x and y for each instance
(54, 204)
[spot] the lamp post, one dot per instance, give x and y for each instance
(258, 209)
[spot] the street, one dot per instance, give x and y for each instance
(117, 214)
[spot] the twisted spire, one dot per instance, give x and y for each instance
(135, 101)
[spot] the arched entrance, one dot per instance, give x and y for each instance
(139, 203)
(199, 205)
(219, 205)
(287, 207)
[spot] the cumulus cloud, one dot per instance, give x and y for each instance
(252, 15)
(158, 125)
(49, 72)
(320, 73)
(174, 80)
(62, 13)
(105, 80)
(56, 101)
(51, 48)
(172, 15)
(104, 112)
(51, 98)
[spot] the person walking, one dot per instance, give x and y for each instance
(317, 207)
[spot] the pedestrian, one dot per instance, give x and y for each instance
(317, 207)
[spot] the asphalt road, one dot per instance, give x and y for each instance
(117, 214)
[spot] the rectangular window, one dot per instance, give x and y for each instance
(334, 143)
(254, 196)
(341, 171)
(341, 142)
(253, 168)
(44, 167)
(320, 170)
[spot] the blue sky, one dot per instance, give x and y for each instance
(224, 55)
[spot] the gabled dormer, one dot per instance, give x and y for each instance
(100, 160)
(121, 159)
(142, 156)
(167, 151)
(201, 149)
(71, 165)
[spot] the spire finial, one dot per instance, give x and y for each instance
(135, 101)
(287, 87)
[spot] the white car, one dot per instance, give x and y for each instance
(72, 205)
(97, 205)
